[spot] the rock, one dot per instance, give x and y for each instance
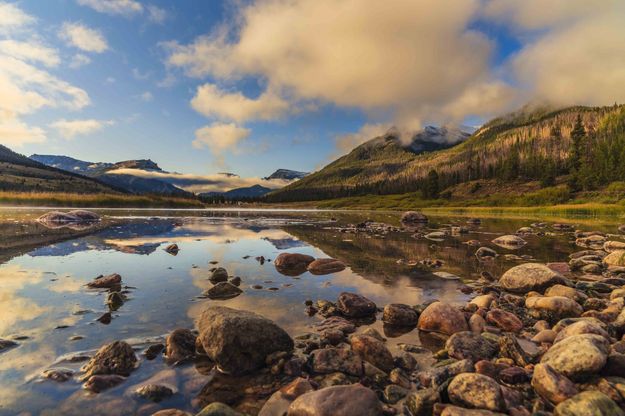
(154, 392)
(443, 318)
(60, 375)
(485, 253)
(172, 249)
(153, 351)
(279, 402)
(437, 376)
(171, 412)
(461, 411)
(476, 391)
(436, 236)
(468, 345)
(400, 315)
(567, 292)
(578, 356)
(6, 344)
(373, 351)
(477, 323)
(615, 258)
(581, 327)
(325, 266)
(553, 308)
(292, 264)
(338, 323)
(240, 341)
(551, 385)
(115, 300)
(588, 403)
(105, 318)
(611, 246)
(406, 361)
(529, 277)
(330, 360)
(513, 375)
(506, 321)
(84, 215)
(509, 347)
(223, 290)
(394, 393)
(546, 335)
(99, 383)
(483, 301)
(58, 218)
(106, 282)
(413, 217)
(180, 345)
(218, 409)
(337, 401)
(509, 241)
(218, 275)
(117, 358)
(421, 402)
(235, 281)
(353, 305)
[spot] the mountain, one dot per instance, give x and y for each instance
(19, 173)
(286, 174)
(104, 172)
(253, 191)
(532, 144)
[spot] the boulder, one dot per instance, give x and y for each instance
(476, 391)
(578, 356)
(100, 382)
(223, 290)
(469, 345)
(551, 385)
(353, 305)
(529, 277)
(218, 409)
(116, 358)
(349, 400)
(443, 318)
(581, 327)
(154, 392)
(218, 275)
(400, 315)
(105, 282)
(292, 263)
(504, 320)
(421, 402)
(240, 341)
(588, 403)
(553, 308)
(325, 266)
(373, 351)
(615, 258)
(413, 217)
(484, 253)
(331, 360)
(509, 241)
(180, 345)
(279, 402)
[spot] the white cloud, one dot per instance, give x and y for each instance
(14, 132)
(72, 128)
(210, 101)
(12, 18)
(126, 8)
(30, 51)
(220, 137)
(346, 142)
(83, 37)
(156, 14)
(79, 60)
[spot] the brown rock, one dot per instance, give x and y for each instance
(180, 345)
(373, 351)
(355, 306)
(505, 320)
(337, 401)
(443, 318)
(325, 266)
(400, 315)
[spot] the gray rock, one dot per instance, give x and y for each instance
(588, 403)
(337, 401)
(330, 360)
(469, 345)
(476, 391)
(400, 315)
(529, 276)
(578, 356)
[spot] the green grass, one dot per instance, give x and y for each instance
(56, 199)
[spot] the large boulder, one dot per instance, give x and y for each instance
(373, 351)
(116, 358)
(588, 403)
(528, 277)
(352, 400)
(507, 321)
(466, 344)
(325, 266)
(400, 315)
(240, 341)
(331, 360)
(443, 318)
(476, 391)
(413, 217)
(615, 258)
(551, 385)
(553, 308)
(180, 345)
(353, 305)
(292, 264)
(578, 356)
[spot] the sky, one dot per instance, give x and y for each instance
(248, 87)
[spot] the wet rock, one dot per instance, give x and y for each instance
(615, 258)
(406, 361)
(116, 358)
(413, 217)
(421, 402)
(154, 392)
(355, 306)
(476, 391)
(546, 335)
(509, 241)
(325, 266)
(581, 327)
(330, 360)
(529, 277)
(332, 337)
(567, 292)
(551, 385)
(219, 275)
(99, 383)
(443, 318)
(483, 301)
(400, 315)
(292, 264)
(509, 347)
(338, 323)
(180, 345)
(172, 249)
(553, 308)
(373, 351)
(223, 290)
(279, 402)
(461, 411)
(485, 253)
(115, 300)
(394, 393)
(171, 412)
(513, 375)
(578, 356)
(235, 281)
(611, 246)
(6, 344)
(60, 375)
(437, 376)
(105, 318)
(153, 351)
(106, 282)
(588, 403)
(468, 345)
(240, 341)
(337, 401)
(477, 323)
(218, 409)
(506, 321)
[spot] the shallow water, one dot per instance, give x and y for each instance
(43, 295)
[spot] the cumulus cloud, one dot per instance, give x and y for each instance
(72, 128)
(30, 51)
(126, 8)
(220, 137)
(346, 142)
(83, 37)
(14, 132)
(13, 18)
(211, 101)
(156, 14)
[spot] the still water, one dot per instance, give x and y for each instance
(46, 308)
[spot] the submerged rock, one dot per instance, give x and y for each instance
(154, 392)
(337, 401)
(223, 290)
(485, 253)
(509, 241)
(106, 282)
(116, 358)
(353, 305)
(325, 266)
(443, 318)
(99, 383)
(240, 341)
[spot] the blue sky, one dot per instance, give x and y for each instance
(306, 74)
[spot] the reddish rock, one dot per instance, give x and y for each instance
(505, 320)
(443, 318)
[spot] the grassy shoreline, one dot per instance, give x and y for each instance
(53, 199)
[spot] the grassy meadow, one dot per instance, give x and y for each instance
(56, 199)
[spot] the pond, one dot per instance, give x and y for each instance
(46, 308)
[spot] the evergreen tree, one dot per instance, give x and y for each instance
(431, 188)
(575, 158)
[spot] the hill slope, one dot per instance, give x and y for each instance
(522, 146)
(19, 173)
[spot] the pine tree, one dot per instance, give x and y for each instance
(431, 188)
(575, 158)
